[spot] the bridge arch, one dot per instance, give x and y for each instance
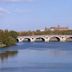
(17, 40)
(69, 39)
(54, 39)
(39, 39)
(26, 40)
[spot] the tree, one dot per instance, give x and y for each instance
(13, 34)
(8, 38)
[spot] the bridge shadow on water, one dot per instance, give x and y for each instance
(45, 45)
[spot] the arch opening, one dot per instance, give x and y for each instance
(54, 39)
(40, 39)
(69, 39)
(17, 40)
(26, 40)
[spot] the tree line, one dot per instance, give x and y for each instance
(49, 32)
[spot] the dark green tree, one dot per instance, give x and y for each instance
(13, 34)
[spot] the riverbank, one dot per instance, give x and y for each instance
(2, 45)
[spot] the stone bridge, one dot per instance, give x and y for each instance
(45, 38)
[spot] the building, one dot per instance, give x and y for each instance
(58, 28)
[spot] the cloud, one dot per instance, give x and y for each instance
(15, 1)
(3, 11)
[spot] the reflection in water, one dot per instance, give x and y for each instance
(37, 57)
(6, 54)
(57, 52)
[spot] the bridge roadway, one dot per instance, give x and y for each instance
(46, 38)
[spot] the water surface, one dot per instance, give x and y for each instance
(37, 57)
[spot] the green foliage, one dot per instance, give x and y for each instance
(9, 41)
(49, 32)
(8, 37)
(14, 34)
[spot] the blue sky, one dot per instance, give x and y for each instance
(26, 15)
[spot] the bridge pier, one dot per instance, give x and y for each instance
(63, 39)
(20, 39)
(32, 39)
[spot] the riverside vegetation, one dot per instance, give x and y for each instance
(49, 32)
(7, 38)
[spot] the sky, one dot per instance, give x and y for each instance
(24, 15)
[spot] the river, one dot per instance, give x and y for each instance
(37, 57)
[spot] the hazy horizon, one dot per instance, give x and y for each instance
(24, 15)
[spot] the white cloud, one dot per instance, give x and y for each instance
(3, 11)
(15, 0)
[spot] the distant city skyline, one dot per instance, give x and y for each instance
(24, 15)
